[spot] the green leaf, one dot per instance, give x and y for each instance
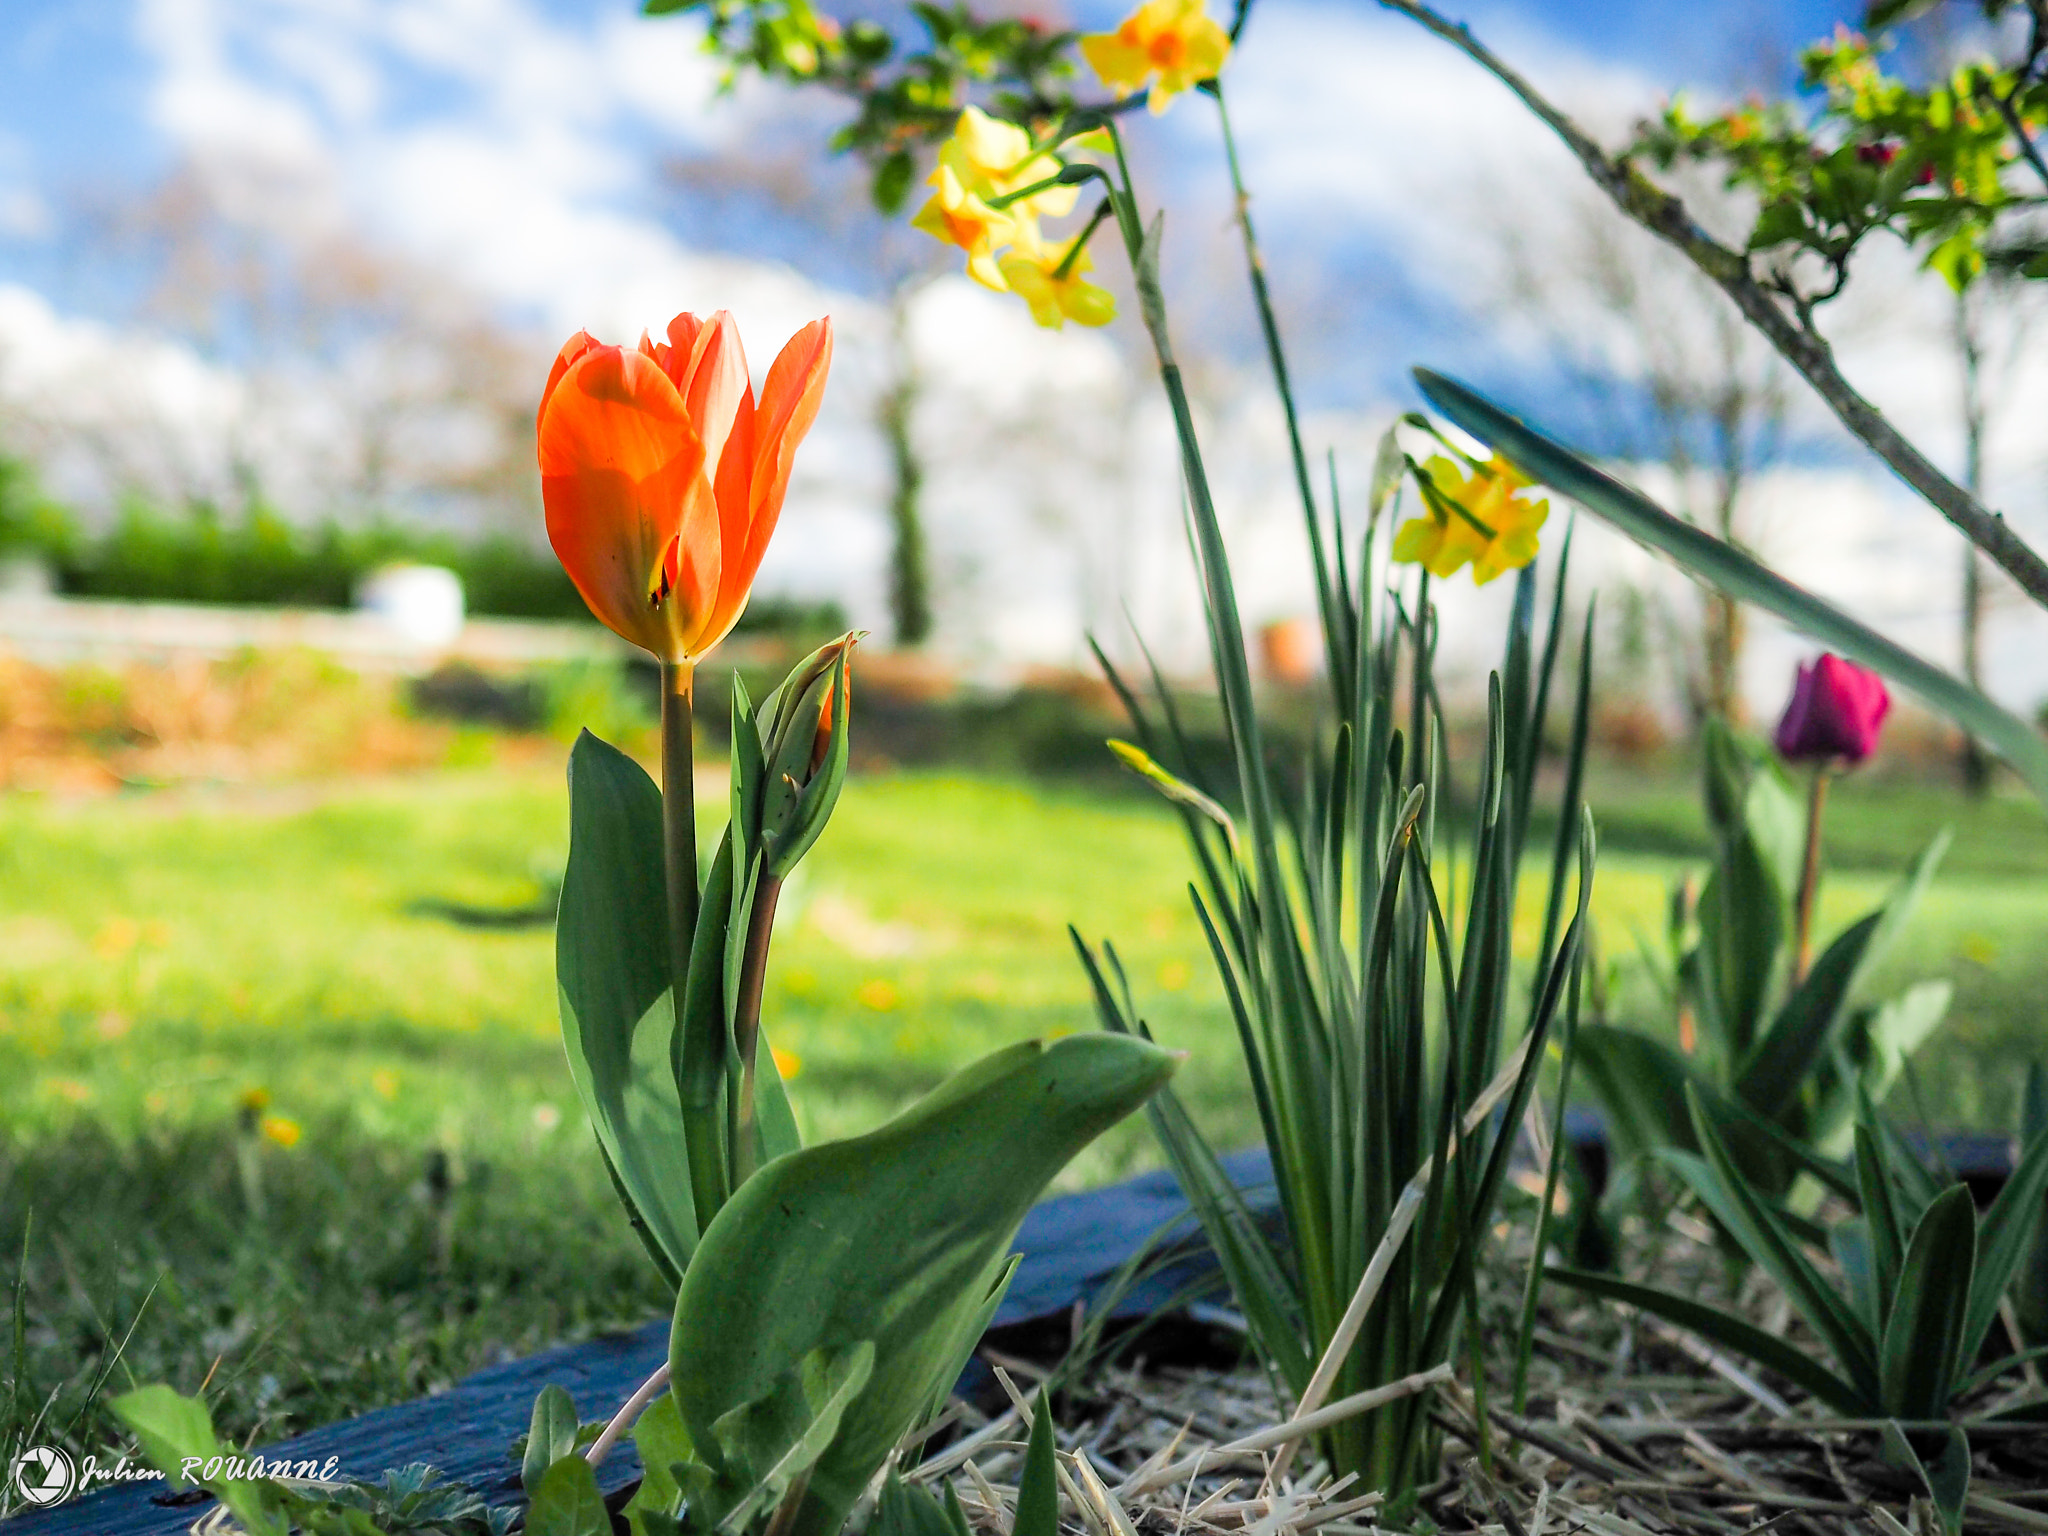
(772, 1443)
(1785, 1057)
(1849, 1242)
(795, 833)
(612, 965)
(1763, 1235)
(1881, 1212)
(1947, 1481)
(1038, 1491)
(664, 1445)
(1727, 1330)
(568, 1503)
(1641, 1084)
(1742, 916)
(1710, 559)
(892, 181)
(174, 1431)
(907, 1510)
(2030, 1295)
(1777, 1069)
(1920, 1358)
(551, 1437)
(894, 1237)
(2002, 1240)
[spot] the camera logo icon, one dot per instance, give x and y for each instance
(44, 1475)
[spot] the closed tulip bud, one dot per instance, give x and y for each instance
(1836, 712)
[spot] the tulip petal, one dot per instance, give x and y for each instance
(628, 512)
(714, 384)
(789, 404)
(572, 349)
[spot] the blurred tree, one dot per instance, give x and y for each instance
(1671, 371)
(776, 194)
(374, 381)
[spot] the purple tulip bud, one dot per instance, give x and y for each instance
(1836, 712)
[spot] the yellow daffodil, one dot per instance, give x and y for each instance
(1172, 40)
(1034, 275)
(959, 217)
(1482, 518)
(977, 166)
(992, 157)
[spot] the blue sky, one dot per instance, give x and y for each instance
(520, 145)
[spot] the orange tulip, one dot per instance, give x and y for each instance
(662, 477)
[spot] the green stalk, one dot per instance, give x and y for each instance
(1337, 642)
(679, 816)
(746, 1028)
(1809, 875)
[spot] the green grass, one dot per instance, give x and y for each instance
(161, 956)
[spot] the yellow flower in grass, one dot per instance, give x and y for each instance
(1173, 40)
(1055, 298)
(284, 1132)
(1480, 517)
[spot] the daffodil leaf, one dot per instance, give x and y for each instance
(1713, 560)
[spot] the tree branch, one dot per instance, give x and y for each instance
(1802, 346)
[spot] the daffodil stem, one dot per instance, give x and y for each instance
(1066, 266)
(1809, 876)
(746, 1026)
(1446, 507)
(1329, 602)
(679, 816)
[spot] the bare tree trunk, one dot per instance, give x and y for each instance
(1973, 762)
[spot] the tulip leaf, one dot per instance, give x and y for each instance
(2030, 1294)
(2014, 1219)
(1881, 1215)
(1864, 945)
(774, 1442)
(1765, 1236)
(905, 1509)
(551, 1436)
(1777, 1069)
(1641, 1083)
(1742, 933)
(612, 966)
(172, 1429)
(1727, 1330)
(567, 1502)
(1919, 1356)
(1038, 1490)
(1713, 560)
(664, 1445)
(897, 1238)
(1947, 1482)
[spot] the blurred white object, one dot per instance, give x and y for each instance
(423, 603)
(26, 577)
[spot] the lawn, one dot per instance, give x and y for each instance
(168, 959)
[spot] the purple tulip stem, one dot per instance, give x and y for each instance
(1809, 878)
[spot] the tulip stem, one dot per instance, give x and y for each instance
(746, 1026)
(1809, 877)
(679, 816)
